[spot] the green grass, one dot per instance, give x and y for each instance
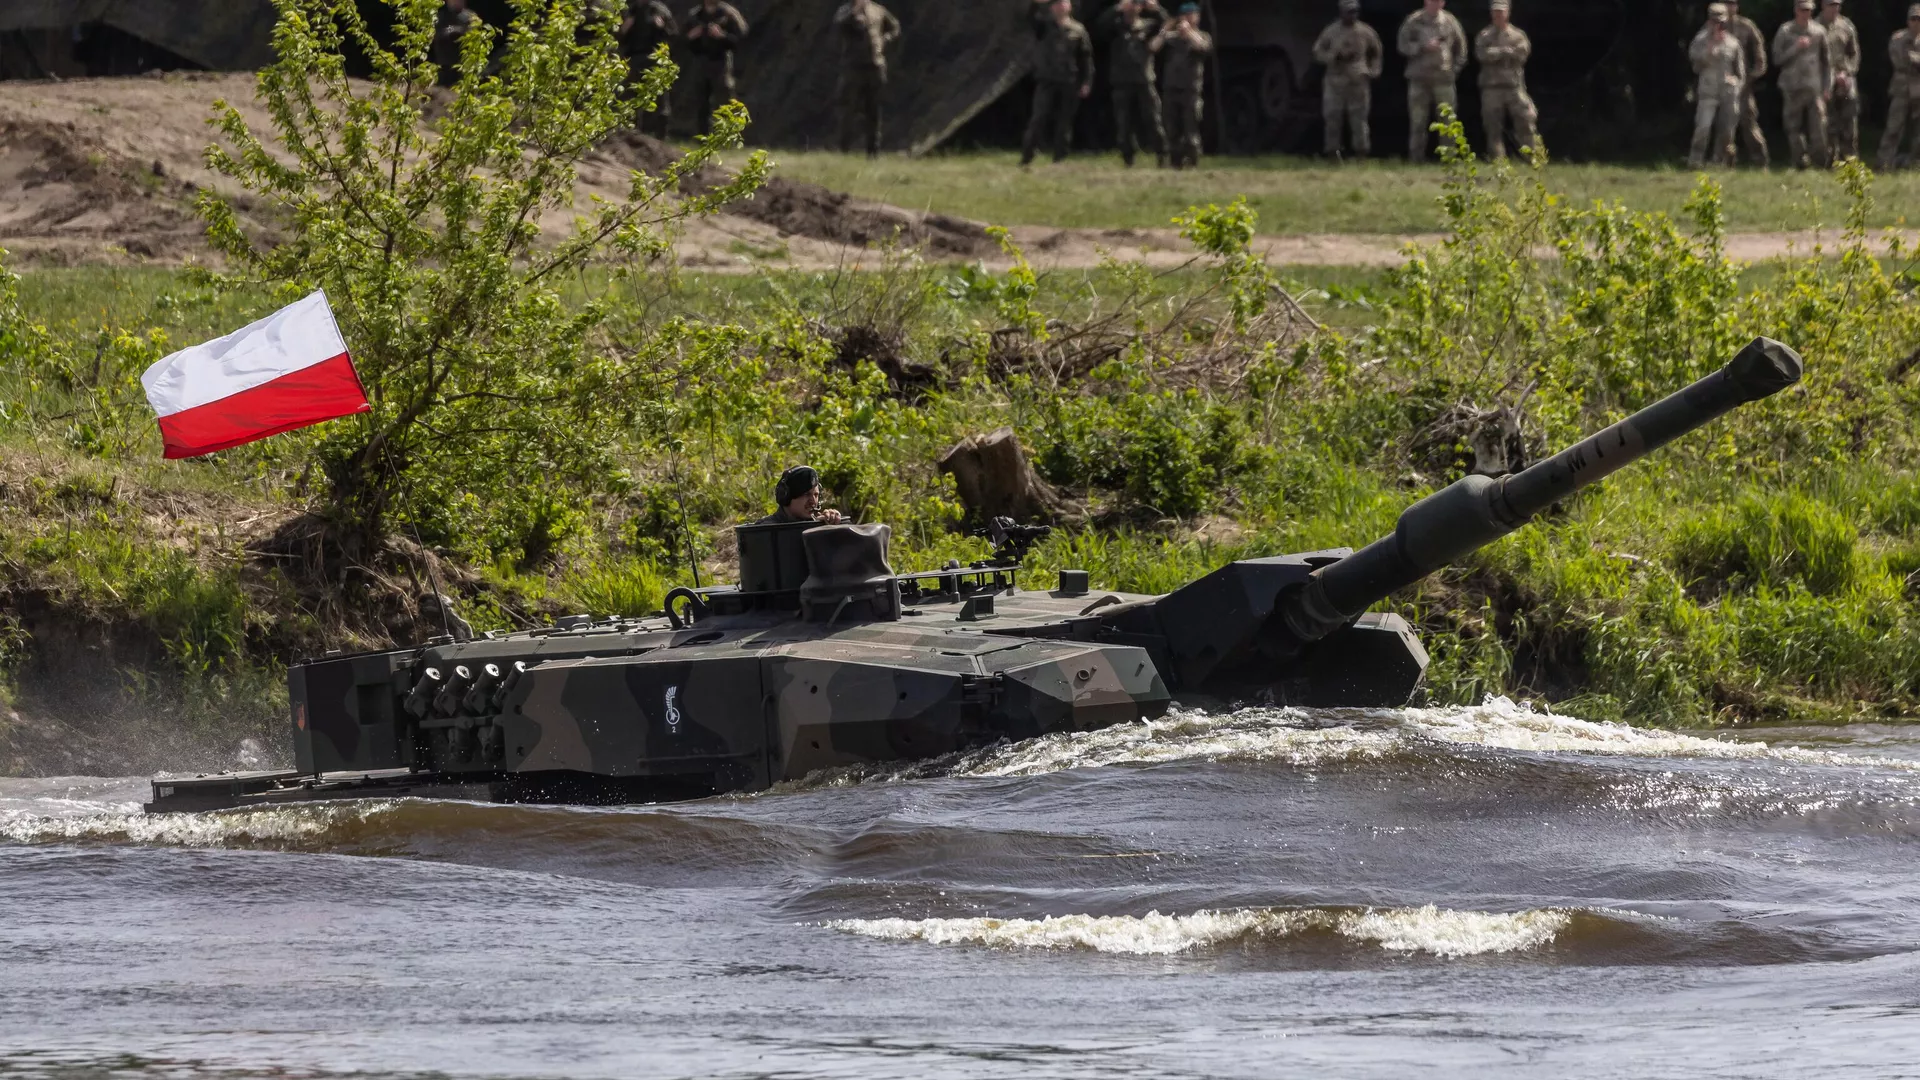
(1297, 195)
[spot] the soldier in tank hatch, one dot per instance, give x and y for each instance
(1801, 53)
(1352, 54)
(1185, 48)
(1753, 47)
(1062, 77)
(1721, 64)
(798, 493)
(646, 26)
(1436, 49)
(713, 30)
(865, 30)
(1503, 50)
(1843, 105)
(1903, 93)
(1129, 28)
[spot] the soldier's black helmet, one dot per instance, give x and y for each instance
(794, 483)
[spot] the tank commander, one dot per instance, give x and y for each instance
(1503, 50)
(450, 28)
(647, 25)
(1801, 53)
(714, 29)
(1753, 47)
(1062, 77)
(1186, 48)
(1903, 93)
(1843, 106)
(1721, 63)
(1129, 28)
(798, 493)
(1352, 54)
(865, 30)
(1436, 49)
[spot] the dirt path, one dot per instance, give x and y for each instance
(105, 171)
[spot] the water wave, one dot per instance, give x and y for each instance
(1309, 739)
(1432, 930)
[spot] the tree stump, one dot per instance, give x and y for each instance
(993, 478)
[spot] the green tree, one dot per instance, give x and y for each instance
(421, 215)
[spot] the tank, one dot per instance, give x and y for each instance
(824, 657)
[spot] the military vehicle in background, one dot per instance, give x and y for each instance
(823, 657)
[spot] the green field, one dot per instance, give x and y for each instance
(1299, 195)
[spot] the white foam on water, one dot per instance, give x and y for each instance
(125, 823)
(1187, 735)
(1504, 724)
(1430, 929)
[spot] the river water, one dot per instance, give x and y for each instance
(1262, 893)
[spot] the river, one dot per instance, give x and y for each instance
(1445, 892)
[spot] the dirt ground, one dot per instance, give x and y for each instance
(105, 171)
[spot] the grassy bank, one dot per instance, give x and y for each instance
(1766, 569)
(1300, 195)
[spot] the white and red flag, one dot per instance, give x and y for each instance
(289, 370)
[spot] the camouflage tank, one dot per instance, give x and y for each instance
(822, 656)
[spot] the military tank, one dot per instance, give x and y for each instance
(822, 656)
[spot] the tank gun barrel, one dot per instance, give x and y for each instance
(1474, 512)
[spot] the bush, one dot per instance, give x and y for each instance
(1770, 541)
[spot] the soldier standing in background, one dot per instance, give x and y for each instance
(1746, 33)
(1352, 54)
(451, 27)
(1186, 48)
(1130, 27)
(714, 29)
(1903, 93)
(1436, 49)
(1801, 53)
(866, 29)
(646, 26)
(1721, 62)
(1062, 77)
(1843, 107)
(1502, 50)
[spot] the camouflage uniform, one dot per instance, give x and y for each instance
(1185, 91)
(710, 60)
(1753, 47)
(1806, 74)
(1503, 88)
(1903, 93)
(652, 25)
(450, 29)
(1436, 50)
(1136, 103)
(865, 33)
(1062, 68)
(1843, 109)
(1722, 67)
(1352, 56)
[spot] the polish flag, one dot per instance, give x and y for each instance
(289, 370)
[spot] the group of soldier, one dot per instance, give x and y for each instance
(1161, 115)
(1435, 47)
(1818, 57)
(704, 40)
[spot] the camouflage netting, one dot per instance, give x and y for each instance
(221, 35)
(952, 60)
